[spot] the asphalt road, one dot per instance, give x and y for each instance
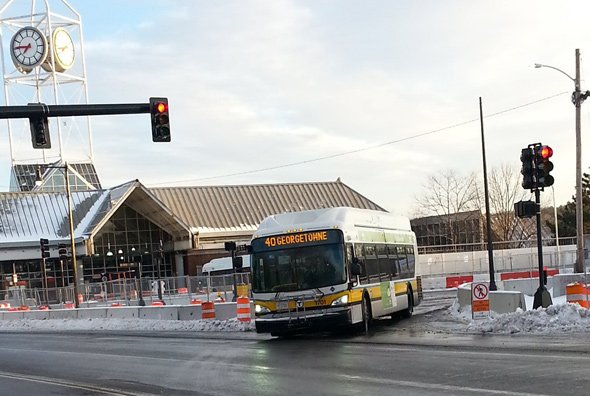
(396, 359)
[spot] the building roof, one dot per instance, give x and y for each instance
(27, 216)
(243, 207)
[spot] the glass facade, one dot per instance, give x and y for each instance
(126, 244)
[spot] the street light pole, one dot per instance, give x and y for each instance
(577, 99)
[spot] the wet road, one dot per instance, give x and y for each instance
(395, 359)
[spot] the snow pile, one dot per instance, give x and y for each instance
(97, 324)
(555, 319)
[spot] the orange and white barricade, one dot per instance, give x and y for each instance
(208, 310)
(576, 294)
(243, 309)
(195, 301)
(69, 305)
(182, 290)
(157, 303)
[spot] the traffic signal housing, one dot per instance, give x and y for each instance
(160, 119)
(527, 170)
(44, 244)
(40, 132)
(543, 166)
(62, 250)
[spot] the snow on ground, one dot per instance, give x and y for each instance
(125, 324)
(555, 319)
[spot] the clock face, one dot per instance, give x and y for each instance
(63, 49)
(28, 49)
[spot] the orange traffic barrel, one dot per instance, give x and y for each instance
(576, 294)
(208, 310)
(69, 305)
(24, 308)
(116, 304)
(243, 309)
(195, 301)
(182, 290)
(43, 308)
(157, 303)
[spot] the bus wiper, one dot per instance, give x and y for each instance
(319, 292)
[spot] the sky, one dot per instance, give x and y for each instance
(380, 94)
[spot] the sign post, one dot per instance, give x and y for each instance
(480, 300)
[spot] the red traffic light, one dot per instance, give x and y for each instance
(161, 107)
(546, 152)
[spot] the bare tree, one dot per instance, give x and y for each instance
(505, 190)
(453, 199)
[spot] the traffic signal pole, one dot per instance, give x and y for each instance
(542, 297)
(36, 110)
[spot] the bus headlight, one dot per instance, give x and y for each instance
(341, 300)
(259, 309)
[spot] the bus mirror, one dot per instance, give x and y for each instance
(237, 262)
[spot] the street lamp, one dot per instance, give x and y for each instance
(577, 99)
(141, 300)
(38, 181)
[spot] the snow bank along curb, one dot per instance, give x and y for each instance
(223, 311)
(555, 319)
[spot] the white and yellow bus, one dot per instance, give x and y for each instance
(326, 268)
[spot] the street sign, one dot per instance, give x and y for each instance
(480, 300)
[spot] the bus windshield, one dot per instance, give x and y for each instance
(302, 268)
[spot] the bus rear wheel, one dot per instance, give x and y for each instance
(366, 314)
(408, 312)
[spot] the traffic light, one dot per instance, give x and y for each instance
(40, 132)
(160, 119)
(527, 171)
(62, 250)
(44, 247)
(543, 166)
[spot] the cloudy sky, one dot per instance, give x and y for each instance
(260, 85)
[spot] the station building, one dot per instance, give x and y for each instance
(127, 229)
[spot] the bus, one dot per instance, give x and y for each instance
(333, 267)
(223, 266)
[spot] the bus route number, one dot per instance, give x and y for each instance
(295, 239)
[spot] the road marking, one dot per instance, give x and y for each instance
(68, 384)
(438, 387)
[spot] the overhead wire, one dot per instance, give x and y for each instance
(367, 148)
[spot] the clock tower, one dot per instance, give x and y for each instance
(46, 64)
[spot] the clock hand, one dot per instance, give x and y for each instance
(26, 47)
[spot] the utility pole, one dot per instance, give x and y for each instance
(578, 99)
(493, 286)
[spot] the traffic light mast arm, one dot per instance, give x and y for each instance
(42, 110)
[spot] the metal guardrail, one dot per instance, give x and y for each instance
(132, 291)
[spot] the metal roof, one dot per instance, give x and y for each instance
(243, 207)
(27, 216)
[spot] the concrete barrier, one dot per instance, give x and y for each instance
(560, 281)
(14, 315)
(225, 311)
(501, 301)
(123, 312)
(434, 283)
(189, 312)
(92, 313)
(159, 313)
(63, 314)
(38, 315)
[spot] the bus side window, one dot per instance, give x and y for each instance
(411, 262)
(384, 269)
(359, 252)
(371, 263)
(403, 261)
(393, 262)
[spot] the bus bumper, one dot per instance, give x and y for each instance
(292, 322)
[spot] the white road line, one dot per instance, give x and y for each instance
(438, 387)
(68, 384)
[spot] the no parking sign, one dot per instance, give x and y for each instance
(480, 300)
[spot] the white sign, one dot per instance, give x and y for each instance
(480, 300)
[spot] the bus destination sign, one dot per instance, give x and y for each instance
(297, 239)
